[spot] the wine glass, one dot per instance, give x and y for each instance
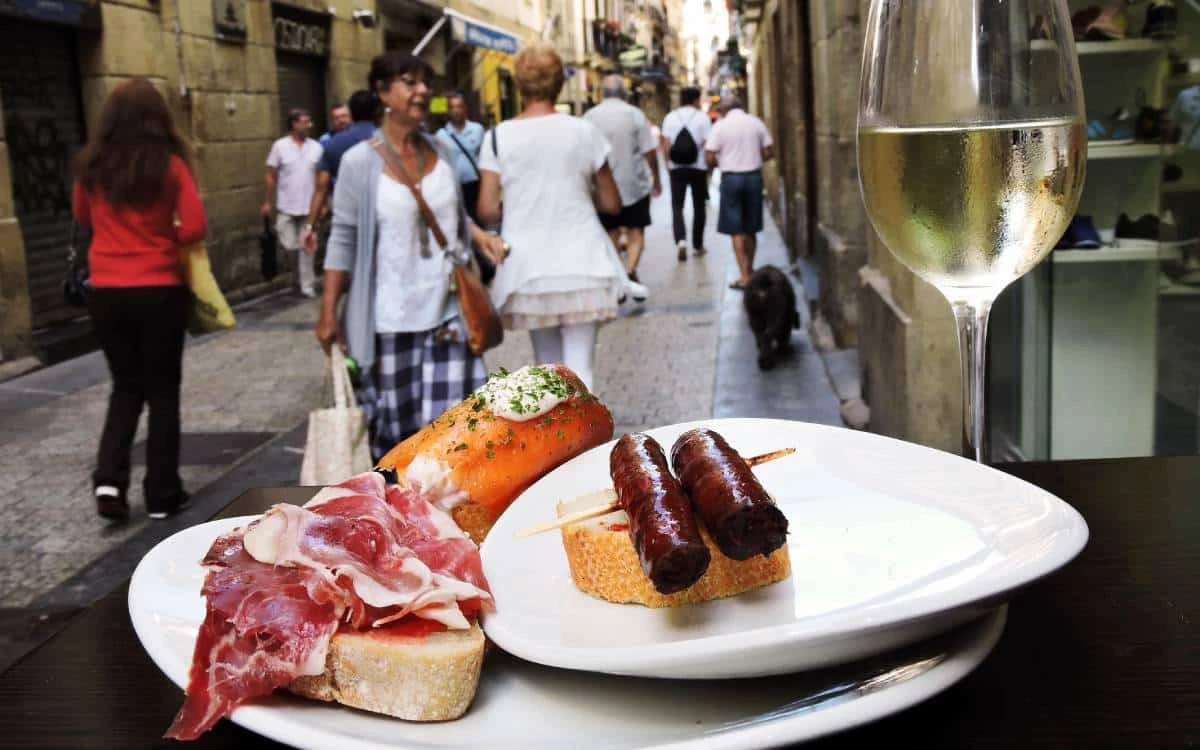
(971, 152)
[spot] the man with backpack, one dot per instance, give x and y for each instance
(684, 132)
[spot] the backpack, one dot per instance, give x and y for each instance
(684, 149)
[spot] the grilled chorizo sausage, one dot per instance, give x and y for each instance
(661, 520)
(741, 517)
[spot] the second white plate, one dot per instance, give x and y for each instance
(890, 542)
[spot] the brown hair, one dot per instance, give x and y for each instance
(391, 65)
(129, 153)
(539, 72)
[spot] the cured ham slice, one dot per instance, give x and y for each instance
(358, 555)
(264, 626)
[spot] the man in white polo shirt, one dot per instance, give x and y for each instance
(291, 178)
(738, 146)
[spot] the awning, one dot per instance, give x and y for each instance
(479, 34)
(471, 31)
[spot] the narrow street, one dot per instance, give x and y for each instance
(685, 354)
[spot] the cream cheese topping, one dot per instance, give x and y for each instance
(524, 394)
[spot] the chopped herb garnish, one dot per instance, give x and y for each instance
(460, 447)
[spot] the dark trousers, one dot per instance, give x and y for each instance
(141, 330)
(683, 178)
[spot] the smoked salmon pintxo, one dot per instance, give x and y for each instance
(478, 456)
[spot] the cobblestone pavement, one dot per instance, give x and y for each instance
(260, 378)
(247, 392)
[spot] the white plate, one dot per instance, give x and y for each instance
(890, 542)
(529, 706)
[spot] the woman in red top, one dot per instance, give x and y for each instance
(134, 189)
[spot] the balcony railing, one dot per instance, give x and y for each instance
(608, 40)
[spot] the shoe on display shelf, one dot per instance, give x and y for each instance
(1082, 20)
(1147, 227)
(1081, 234)
(1109, 25)
(1162, 20)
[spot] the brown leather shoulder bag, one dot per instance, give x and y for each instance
(482, 322)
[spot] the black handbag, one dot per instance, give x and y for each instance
(267, 242)
(77, 285)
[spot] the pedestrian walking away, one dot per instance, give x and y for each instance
(563, 278)
(738, 145)
(684, 133)
(134, 189)
(364, 110)
(291, 179)
(463, 138)
(400, 321)
(634, 162)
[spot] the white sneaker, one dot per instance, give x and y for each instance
(681, 246)
(638, 291)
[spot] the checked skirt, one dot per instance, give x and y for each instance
(416, 377)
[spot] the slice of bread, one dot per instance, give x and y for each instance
(604, 564)
(429, 677)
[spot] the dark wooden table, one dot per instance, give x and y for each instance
(1105, 653)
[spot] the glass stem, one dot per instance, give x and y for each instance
(972, 319)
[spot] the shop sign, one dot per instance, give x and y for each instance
(306, 34)
(85, 13)
(229, 20)
(479, 34)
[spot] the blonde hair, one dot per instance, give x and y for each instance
(538, 70)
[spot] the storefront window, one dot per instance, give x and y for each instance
(1097, 353)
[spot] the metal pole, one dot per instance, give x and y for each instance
(429, 35)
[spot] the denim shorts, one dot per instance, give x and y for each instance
(741, 203)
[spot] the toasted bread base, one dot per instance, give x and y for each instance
(474, 519)
(604, 564)
(418, 678)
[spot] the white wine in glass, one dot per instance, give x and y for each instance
(972, 151)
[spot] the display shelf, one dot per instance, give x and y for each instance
(1181, 187)
(1175, 289)
(1127, 251)
(1100, 150)
(1183, 81)
(1116, 47)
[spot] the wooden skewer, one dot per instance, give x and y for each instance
(606, 500)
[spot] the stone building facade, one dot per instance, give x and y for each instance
(230, 70)
(805, 65)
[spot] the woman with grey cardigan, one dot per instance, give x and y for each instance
(400, 321)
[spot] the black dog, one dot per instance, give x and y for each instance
(770, 304)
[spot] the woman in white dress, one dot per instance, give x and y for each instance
(562, 278)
